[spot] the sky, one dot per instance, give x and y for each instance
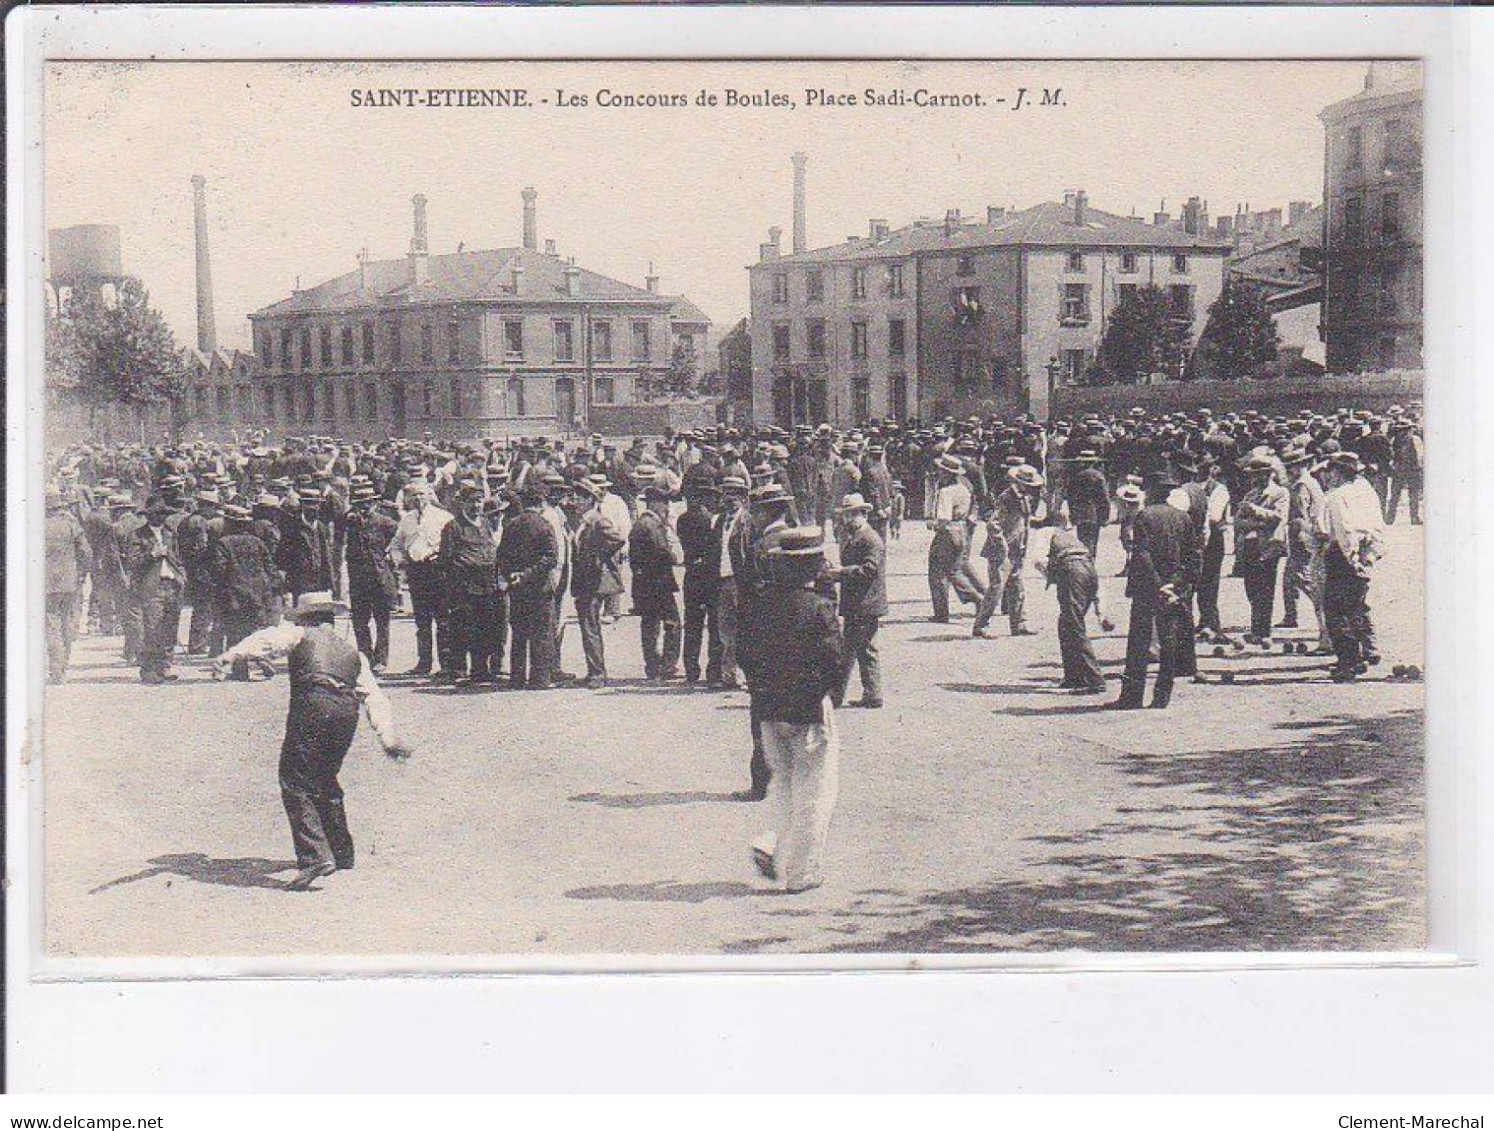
(299, 178)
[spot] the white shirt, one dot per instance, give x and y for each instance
(616, 511)
(952, 503)
(279, 640)
(418, 536)
(1218, 504)
(1352, 520)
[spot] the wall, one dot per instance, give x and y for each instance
(652, 419)
(996, 335)
(1280, 395)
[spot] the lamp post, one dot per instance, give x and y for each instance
(1052, 367)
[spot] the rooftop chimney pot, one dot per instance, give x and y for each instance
(531, 218)
(1081, 206)
(549, 248)
(572, 280)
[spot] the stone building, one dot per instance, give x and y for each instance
(1372, 294)
(962, 316)
(512, 340)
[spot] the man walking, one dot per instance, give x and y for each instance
(654, 551)
(156, 579)
(68, 557)
(1007, 531)
(863, 595)
(596, 575)
(243, 581)
(948, 560)
(1071, 571)
(1354, 538)
(373, 584)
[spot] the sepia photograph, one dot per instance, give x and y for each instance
(732, 511)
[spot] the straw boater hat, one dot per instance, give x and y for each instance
(950, 464)
(1025, 475)
(1130, 493)
(315, 603)
(734, 484)
(772, 492)
(853, 503)
(801, 542)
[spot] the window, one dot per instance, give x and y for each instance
(308, 402)
(815, 333)
(396, 344)
(1390, 290)
(998, 372)
(565, 348)
(861, 400)
(516, 396)
(605, 391)
(326, 344)
(329, 404)
(368, 343)
(457, 406)
(454, 342)
(858, 283)
(513, 340)
(1179, 264)
(897, 344)
(1354, 148)
(1180, 296)
(1073, 367)
(780, 287)
(1075, 303)
(895, 280)
(200, 396)
(1390, 217)
(966, 265)
(601, 341)
(1353, 220)
(858, 340)
(969, 366)
(287, 346)
(350, 401)
(1076, 261)
(1126, 292)
(814, 286)
(427, 397)
(370, 401)
(1128, 263)
(225, 410)
(641, 344)
(1395, 143)
(427, 342)
(780, 343)
(266, 350)
(1350, 283)
(305, 347)
(1387, 352)
(898, 396)
(271, 408)
(347, 345)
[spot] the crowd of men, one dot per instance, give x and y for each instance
(717, 539)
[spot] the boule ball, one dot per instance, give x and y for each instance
(1226, 677)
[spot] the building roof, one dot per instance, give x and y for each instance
(1044, 225)
(226, 358)
(1385, 82)
(684, 310)
(464, 276)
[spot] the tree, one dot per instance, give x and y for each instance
(114, 352)
(1145, 335)
(683, 378)
(1239, 339)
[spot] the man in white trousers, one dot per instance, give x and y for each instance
(799, 691)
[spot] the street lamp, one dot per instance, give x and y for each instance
(1052, 367)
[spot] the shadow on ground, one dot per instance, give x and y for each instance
(237, 872)
(666, 891)
(1286, 847)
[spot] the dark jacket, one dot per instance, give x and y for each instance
(653, 551)
(1089, 497)
(243, 574)
(370, 572)
(305, 556)
(527, 554)
(700, 541)
(68, 554)
(596, 570)
(468, 559)
(799, 629)
(143, 566)
(863, 575)
(1164, 551)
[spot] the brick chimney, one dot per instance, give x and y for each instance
(420, 273)
(801, 238)
(1191, 214)
(531, 219)
(877, 229)
(1081, 207)
(572, 280)
(773, 248)
(951, 220)
(651, 281)
(1160, 217)
(207, 327)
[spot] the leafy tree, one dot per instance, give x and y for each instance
(1142, 337)
(683, 378)
(114, 352)
(1239, 339)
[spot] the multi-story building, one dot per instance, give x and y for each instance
(1372, 252)
(960, 317)
(475, 343)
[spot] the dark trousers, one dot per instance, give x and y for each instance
(1089, 534)
(702, 623)
(589, 621)
(1346, 609)
(430, 612)
(1076, 588)
(371, 610)
(1208, 582)
(107, 609)
(475, 624)
(200, 627)
(237, 624)
(659, 631)
(131, 625)
(1151, 617)
(62, 630)
(1260, 591)
(1409, 484)
(758, 768)
(160, 625)
(318, 732)
(530, 662)
(861, 652)
(950, 565)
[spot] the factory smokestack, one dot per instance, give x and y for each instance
(531, 220)
(419, 250)
(207, 329)
(801, 240)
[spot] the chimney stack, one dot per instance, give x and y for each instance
(516, 275)
(531, 220)
(801, 238)
(651, 281)
(878, 229)
(1160, 217)
(1191, 213)
(419, 258)
(773, 247)
(951, 220)
(1081, 206)
(1296, 210)
(207, 329)
(995, 214)
(572, 280)
(363, 269)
